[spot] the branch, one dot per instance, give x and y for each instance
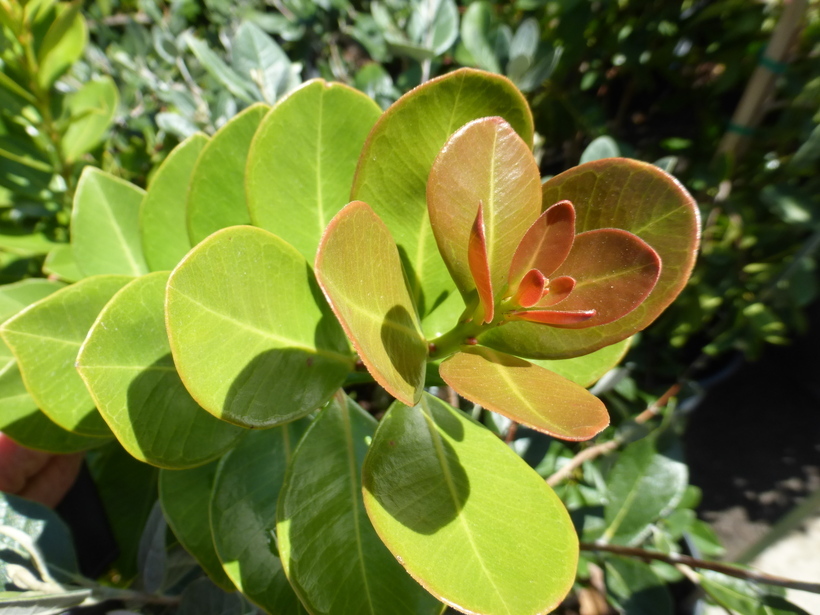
(604, 448)
(732, 571)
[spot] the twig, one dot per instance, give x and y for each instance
(511, 431)
(604, 448)
(732, 571)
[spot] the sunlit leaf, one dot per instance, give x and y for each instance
(440, 489)
(559, 289)
(163, 225)
(243, 516)
(587, 369)
(303, 158)
(261, 61)
(126, 364)
(216, 197)
(46, 336)
(526, 393)
(614, 272)
(105, 225)
(478, 261)
(60, 264)
(248, 298)
(398, 155)
(185, 496)
(20, 418)
(349, 570)
(92, 109)
(546, 243)
(484, 162)
(624, 194)
(555, 318)
(63, 43)
(359, 269)
(530, 289)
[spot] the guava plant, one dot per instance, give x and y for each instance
(209, 321)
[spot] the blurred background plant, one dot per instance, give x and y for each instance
(117, 84)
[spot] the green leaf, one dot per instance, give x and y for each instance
(636, 587)
(586, 370)
(477, 27)
(434, 26)
(484, 162)
(41, 529)
(105, 225)
(45, 338)
(163, 221)
(126, 364)
(359, 268)
(249, 298)
(349, 570)
(20, 418)
(661, 213)
(466, 516)
(600, 148)
(642, 487)
(92, 109)
(398, 155)
(185, 496)
(201, 597)
(26, 244)
(243, 516)
(62, 45)
(303, 158)
(211, 62)
(526, 393)
(258, 58)
(216, 197)
(744, 597)
(60, 263)
(128, 490)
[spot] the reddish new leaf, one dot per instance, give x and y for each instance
(614, 272)
(546, 243)
(480, 266)
(525, 393)
(555, 318)
(558, 290)
(530, 289)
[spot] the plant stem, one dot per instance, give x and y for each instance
(458, 336)
(604, 448)
(732, 571)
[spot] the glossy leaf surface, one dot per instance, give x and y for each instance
(642, 485)
(105, 225)
(92, 109)
(20, 418)
(303, 159)
(45, 338)
(587, 369)
(629, 195)
(440, 488)
(545, 244)
(364, 282)
(185, 496)
(479, 268)
(530, 289)
(399, 153)
(163, 225)
(614, 272)
(216, 197)
(526, 393)
(484, 162)
(349, 570)
(126, 364)
(248, 298)
(243, 516)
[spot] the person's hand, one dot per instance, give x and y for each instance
(35, 475)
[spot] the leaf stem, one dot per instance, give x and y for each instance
(450, 342)
(732, 571)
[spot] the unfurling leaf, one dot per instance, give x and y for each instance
(480, 267)
(546, 243)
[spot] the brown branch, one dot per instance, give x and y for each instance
(732, 571)
(604, 448)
